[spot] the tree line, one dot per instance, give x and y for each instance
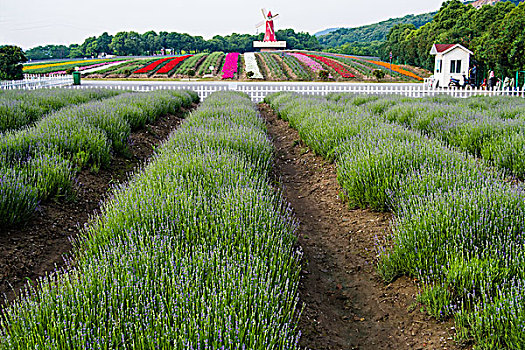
(134, 44)
(360, 37)
(495, 34)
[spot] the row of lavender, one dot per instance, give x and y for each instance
(458, 224)
(195, 252)
(41, 161)
(21, 108)
(489, 127)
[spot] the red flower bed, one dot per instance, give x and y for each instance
(339, 68)
(151, 66)
(172, 64)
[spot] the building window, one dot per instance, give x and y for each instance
(455, 66)
(439, 66)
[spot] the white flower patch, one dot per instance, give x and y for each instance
(251, 65)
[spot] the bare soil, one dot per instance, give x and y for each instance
(346, 304)
(38, 247)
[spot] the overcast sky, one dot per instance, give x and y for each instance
(29, 23)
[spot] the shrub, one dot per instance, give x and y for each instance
(378, 74)
(323, 74)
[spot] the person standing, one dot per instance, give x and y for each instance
(492, 80)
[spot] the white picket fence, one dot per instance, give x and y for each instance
(37, 81)
(259, 90)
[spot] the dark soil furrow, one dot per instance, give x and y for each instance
(346, 304)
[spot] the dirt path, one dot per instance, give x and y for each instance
(33, 250)
(347, 306)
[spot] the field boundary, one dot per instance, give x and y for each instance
(37, 81)
(259, 90)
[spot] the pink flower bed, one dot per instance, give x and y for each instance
(88, 67)
(230, 65)
(313, 65)
(339, 68)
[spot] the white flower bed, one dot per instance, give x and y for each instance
(251, 65)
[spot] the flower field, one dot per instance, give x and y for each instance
(459, 223)
(314, 66)
(62, 66)
(40, 161)
(31, 67)
(214, 60)
(199, 248)
(274, 66)
(151, 67)
(252, 66)
(197, 251)
(397, 69)
(124, 69)
(21, 108)
(191, 63)
(299, 70)
(172, 64)
(274, 70)
(91, 67)
(338, 67)
(231, 65)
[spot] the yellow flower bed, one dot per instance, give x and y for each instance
(38, 66)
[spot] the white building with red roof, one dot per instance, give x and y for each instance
(452, 61)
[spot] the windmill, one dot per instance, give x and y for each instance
(268, 20)
(269, 42)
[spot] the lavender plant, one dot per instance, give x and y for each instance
(48, 153)
(21, 108)
(459, 224)
(196, 252)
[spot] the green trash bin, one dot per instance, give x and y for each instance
(76, 78)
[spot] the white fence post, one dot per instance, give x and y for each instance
(258, 91)
(35, 81)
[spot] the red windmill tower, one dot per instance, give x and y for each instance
(269, 42)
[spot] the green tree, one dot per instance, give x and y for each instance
(103, 42)
(127, 43)
(89, 47)
(47, 52)
(509, 41)
(11, 60)
(151, 42)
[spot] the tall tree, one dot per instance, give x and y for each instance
(11, 59)
(151, 42)
(103, 42)
(127, 43)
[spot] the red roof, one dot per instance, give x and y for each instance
(443, 47)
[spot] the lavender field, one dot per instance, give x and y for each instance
(199, 249)
(40, 160)
(196, 251)
(449, 170)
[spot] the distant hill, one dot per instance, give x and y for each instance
(326, 31)
(371, 32)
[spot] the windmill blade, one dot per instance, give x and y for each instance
(274, 17)
(264, 13)
(260, 24)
